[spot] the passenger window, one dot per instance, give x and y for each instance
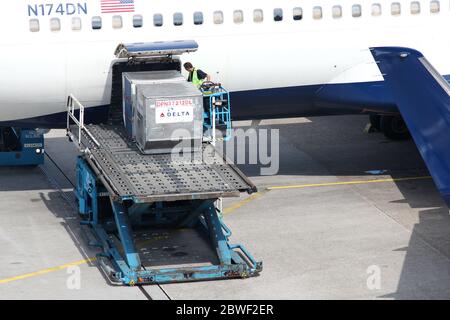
(277, 14)
(158, 20)
(258, 15)
(178, 19)
(117, 22)
(218, 17)
(96, 23)
(238, 16)
(396, 8)
(356, 11)
(337, 12)
(297, 13)
(435, 7)
(376, 10)
(55, 24)
(76, 24)
(198, 18)
(317, 13)
(415, 7)
(138, 21)
(34, 25)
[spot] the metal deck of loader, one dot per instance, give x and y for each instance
(162, 177)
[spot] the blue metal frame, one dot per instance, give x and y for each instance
(223, 112)
(235, 260)
(23, 147)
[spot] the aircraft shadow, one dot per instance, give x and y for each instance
(63, 206)
(26, 178)
(335, 147)
(339, 148)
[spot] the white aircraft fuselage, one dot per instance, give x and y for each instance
(315, 65)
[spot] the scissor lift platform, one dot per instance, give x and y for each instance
(155, 216)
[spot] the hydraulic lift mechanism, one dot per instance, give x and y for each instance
(148, 182)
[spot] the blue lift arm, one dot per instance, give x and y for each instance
(423, 98)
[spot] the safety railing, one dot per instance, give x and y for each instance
(73, 105)
(218, 109)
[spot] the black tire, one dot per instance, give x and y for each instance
(394, 128)
(375, 120)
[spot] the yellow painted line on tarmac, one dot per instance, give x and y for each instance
(243, 202)
(346, 183)
(81, 262)
(45, 271)
(259, 194)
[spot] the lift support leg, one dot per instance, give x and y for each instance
(125, 231)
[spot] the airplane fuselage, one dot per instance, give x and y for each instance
(316, 65)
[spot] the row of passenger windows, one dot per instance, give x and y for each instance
(238, 16)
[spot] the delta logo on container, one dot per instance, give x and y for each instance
(174, 111)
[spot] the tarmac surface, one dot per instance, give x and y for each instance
(348, 215)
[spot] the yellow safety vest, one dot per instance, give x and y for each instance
(195, 80)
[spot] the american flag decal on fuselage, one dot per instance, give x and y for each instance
(117, 6)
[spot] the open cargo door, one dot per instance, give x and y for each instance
(155, 49)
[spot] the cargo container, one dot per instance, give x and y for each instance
(132, 79)
(169, 117)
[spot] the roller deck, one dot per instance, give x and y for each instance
(131, 175)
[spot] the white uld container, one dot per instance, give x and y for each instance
(130, 80)
(169, 118)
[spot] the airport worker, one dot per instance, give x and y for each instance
(196, 76)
